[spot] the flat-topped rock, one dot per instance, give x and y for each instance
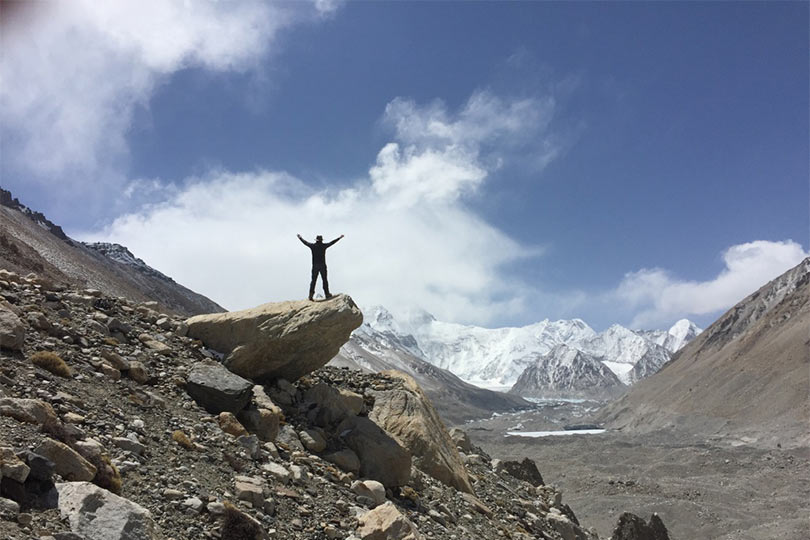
(283, 339)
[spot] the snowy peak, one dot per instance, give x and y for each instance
(681, 333)
(6, 199)
(567, 372)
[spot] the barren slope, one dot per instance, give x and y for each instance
(746, 376)
(29, 245)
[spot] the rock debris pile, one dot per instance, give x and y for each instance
(128, 425)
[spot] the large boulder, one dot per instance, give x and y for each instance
(216, 389)
(98, 514)
(68, 463)
(33, 411)
(632, 527)
(12, 330)
(381, 457)
(406, 414)
(279, 340)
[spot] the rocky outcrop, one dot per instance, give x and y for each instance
(217, 389)
(407, 415)
(381, 457)
(98, 514)
(279, 340)
(632, 527)
(525, 470)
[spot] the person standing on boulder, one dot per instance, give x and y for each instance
(319, 263)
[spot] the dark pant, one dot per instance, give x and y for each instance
(322, 271)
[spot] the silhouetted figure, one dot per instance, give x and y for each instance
(319, 263)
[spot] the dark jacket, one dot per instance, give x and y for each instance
(318, 251)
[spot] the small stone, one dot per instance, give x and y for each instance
(173, 494)
(312, 440)
(277, 471)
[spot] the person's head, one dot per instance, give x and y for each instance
(319, 238)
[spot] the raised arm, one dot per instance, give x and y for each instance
(335, 240)
(304, 241)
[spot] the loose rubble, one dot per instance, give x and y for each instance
(149, 434)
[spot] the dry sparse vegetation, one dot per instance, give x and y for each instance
(238, 526)
(107, 475)
(51, 362)
(182, 439)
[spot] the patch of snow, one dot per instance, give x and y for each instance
(537, 434)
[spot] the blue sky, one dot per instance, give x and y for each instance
(495, 163)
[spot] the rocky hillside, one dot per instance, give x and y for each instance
(746, 376)
(29, 242)
(119, 422)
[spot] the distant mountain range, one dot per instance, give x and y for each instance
(565, 358)
(30, 242)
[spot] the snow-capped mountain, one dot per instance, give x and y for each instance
(482, 356)
(621, 349)
(567, 372)
(681, 333)
(496, 357)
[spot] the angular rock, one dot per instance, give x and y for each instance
(285, 339)
(289, 438)
(312, 440)
(216, 389)
(249, 489)
(386, 523)
(525, 470)
(9, 510)
(345, 459)
(371, 489)
(12, 330)
(632, 527)
(137, 372)
(381, 457)
(12, 467)
(332, 406)
(263, 422)
(32, 411)
(68, 463)
(98, 514)
(407, 415)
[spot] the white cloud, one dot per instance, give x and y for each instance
(410, 238)
(657, 298)
(74, 72)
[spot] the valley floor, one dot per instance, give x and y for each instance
(701, 489)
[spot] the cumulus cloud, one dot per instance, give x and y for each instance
(411, 240)
(74, 72)
(658, 298)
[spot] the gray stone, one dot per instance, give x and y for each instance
(312, 440)
(12, 330)
(346, 459)
(217, 389)
(9, 510)
(68, 463)
(98, 514)
(371, 489)
(381, 457)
